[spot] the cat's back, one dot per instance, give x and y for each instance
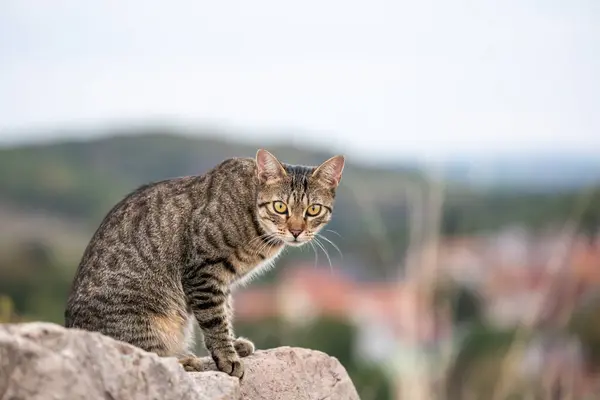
(152, 209)
(147, 226)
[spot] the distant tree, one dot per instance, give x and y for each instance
(451, 221)
(7, 311)
(465, 303)
(585, 326)
(34, 281)
(478, 364)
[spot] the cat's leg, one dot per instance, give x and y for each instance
(244, 347)
(191, 363)
(207, 296)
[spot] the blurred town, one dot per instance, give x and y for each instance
(426, 286)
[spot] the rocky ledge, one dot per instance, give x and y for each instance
(46, 361)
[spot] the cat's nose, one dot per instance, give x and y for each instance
(296, 232)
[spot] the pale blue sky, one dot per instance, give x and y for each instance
(392, 78)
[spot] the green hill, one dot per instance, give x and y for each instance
(82, 180)
(79, 181)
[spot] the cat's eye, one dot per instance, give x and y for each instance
(280, 207)
(313, 210)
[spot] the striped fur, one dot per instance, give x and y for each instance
(167, 256)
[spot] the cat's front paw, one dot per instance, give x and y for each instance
(229, 363)
(243, 347)
(191, 364)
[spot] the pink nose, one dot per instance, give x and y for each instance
(295, 232)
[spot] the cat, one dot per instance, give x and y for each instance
(167, 256)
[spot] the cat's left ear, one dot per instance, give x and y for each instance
(330, 172)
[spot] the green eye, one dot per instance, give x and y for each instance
(280, 207)
(313, 210)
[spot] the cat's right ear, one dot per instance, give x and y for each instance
(268, 167)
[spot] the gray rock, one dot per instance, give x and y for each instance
(296, 373)
(293, 373)
(46, 361)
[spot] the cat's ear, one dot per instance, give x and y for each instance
(268, 167)
(330, 172)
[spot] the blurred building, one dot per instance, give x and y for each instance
(520, 278)
(384, 313)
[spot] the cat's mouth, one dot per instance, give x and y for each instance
(296, 242)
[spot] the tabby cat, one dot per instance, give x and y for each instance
(170, 252)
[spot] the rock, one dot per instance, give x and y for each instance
(47, 361)
(216, 385)
(294, 373)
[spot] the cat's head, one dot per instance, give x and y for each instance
(295, 202)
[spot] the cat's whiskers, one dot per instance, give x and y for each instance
(263, 236)
(334, 232)
(331, 243)
(315, 251)
(264, 240)
(271, 240)
(267, 244)
(318, 243)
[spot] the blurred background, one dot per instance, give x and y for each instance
(468, 216)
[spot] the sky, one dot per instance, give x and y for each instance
(384, 79)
